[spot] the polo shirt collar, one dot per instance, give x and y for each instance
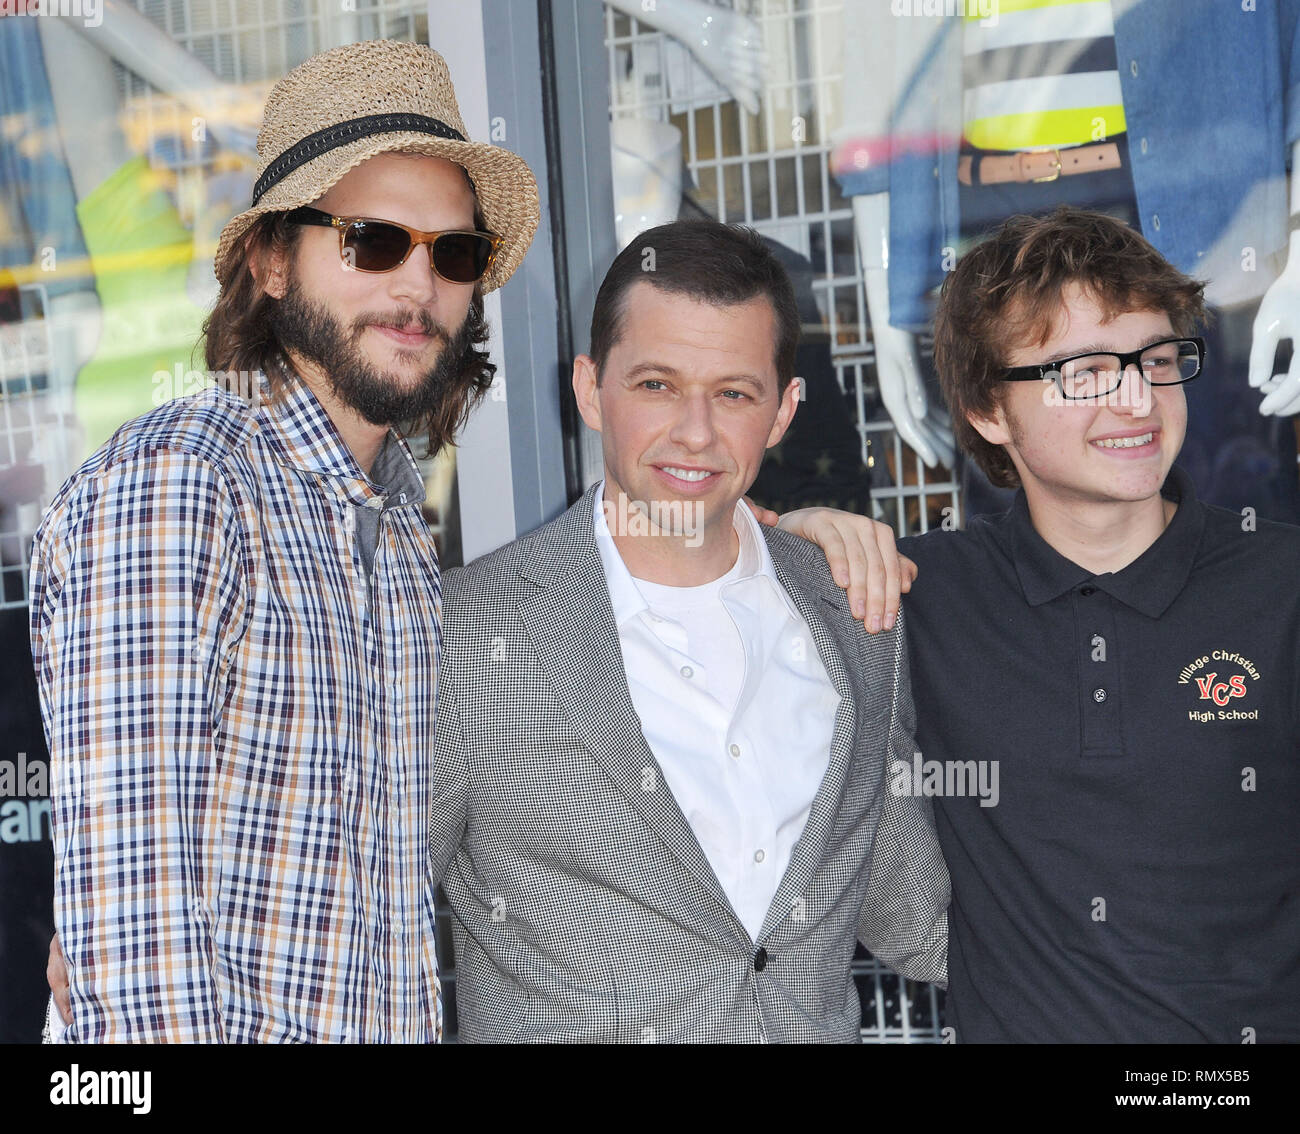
(1149, 584)
(302, 436)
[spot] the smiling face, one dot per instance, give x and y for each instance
(1115, 450)
(688, 402)
(384, 341)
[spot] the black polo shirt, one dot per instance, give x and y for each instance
(1138, 877)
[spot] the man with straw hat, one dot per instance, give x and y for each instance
(236, 601)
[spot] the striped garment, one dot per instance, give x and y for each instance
(1042, 74)
(241, 727)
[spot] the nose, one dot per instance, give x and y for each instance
(692, 426)
(1134, 394)
(414, 281)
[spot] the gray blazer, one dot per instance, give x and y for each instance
(584, 908)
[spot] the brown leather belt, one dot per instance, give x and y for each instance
(1039, 165)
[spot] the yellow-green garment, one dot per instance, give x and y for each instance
(140, 252)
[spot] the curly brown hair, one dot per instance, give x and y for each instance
(238, 337)
(1006, 292)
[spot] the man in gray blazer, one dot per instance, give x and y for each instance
(662, 809)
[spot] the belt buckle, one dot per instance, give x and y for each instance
(1056, 172)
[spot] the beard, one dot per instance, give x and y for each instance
(309, 329)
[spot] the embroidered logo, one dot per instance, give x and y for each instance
(1219, 679)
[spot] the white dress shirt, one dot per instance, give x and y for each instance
(734, 703)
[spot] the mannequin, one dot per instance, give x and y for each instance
(647, 161)
(727, 43)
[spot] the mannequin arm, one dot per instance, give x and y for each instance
(922, 426)
(728, 44)
(151, 53)
(1278, 319)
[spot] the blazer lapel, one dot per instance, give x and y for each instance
(816, 607)
(571, 623)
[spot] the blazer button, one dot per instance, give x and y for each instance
(760, 960)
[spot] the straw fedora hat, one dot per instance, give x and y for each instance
(350, 103)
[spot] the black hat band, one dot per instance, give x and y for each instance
(312, 146)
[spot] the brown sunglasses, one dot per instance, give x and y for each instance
(369, 245)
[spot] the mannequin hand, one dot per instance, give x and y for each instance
(728, 44)
(863, 560)
(1278, 318)
(924, 427)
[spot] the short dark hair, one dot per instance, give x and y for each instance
(1008, 290)
(720, 264)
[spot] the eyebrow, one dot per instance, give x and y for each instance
(648, 369)
(1109, 348)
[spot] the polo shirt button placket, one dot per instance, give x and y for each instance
(1095, 626)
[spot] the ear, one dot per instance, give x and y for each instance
(992, 428)
(586, 390)
(268, 267)
(785, 414)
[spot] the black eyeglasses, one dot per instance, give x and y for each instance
(1169, 362)
(369, 245)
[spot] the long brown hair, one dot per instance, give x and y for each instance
(238, 339)
(1007, 290)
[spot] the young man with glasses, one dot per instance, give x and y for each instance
(236, 603)
(1125, 657)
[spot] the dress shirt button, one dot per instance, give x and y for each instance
(760, 960)
(735, 750)
(1133, 67)
(1099, 694)
(1142, 145)
(655, 618)
(1086, 591)
(759, 855)
(1155, 221)
(375, 502)
(687, 671)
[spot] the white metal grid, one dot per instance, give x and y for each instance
(35, 435)
(770, 171)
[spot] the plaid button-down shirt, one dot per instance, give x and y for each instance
(241, 727)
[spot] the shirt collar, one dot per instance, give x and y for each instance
(1149, 584)
(755, 561)
(302, 436)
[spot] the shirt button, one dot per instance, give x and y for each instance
(1143, 145)
(1133, 67)
(735, 750)
(375, 503)
(1099, 695)
(1085, 591)
(759, 855)
(1155, 221)
(760, 960)
(687, 671)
